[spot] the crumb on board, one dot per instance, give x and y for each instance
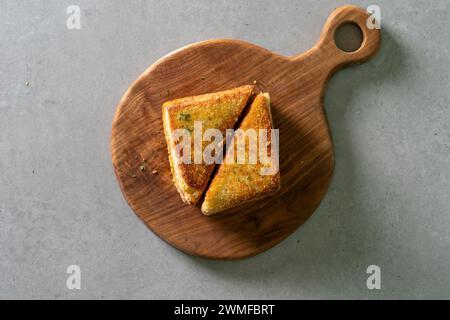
(155, 171)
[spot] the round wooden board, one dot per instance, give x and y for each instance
(296, 85)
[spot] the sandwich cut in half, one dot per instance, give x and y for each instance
(237, 182)
(221, 111)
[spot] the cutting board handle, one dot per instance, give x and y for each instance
(326, 49)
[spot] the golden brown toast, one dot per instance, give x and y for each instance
(218, 110)
(235, 183)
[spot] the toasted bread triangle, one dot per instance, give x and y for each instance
(219, 110)
(235, 183)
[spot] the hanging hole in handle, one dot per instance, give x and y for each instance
(349, 37)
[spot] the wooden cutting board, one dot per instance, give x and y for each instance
(296, 86)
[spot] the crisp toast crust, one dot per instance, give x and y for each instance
(236, 184)
(218, 110)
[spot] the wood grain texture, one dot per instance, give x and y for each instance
(296, 86)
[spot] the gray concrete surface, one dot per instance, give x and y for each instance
(389, 203)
